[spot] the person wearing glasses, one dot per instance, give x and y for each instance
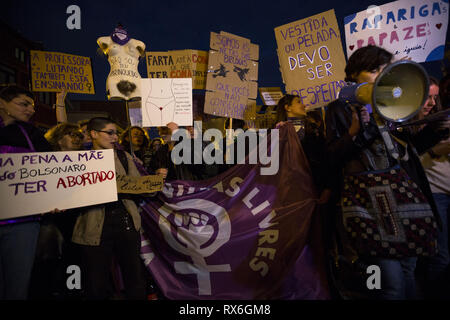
(112, 229)
(54, 251)
(18, 237)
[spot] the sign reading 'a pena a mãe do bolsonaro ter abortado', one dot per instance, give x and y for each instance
(407, 28)
(179, 64)
(55, 71)
(33, 183)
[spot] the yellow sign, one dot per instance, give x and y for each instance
(55, 71)
(139, 185)
(179, 64)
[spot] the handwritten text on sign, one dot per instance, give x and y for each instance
(54, 71)
(311, 58)
(232, 75)
(32, 183)
(179, 64)
(413, 28)
(139, 185)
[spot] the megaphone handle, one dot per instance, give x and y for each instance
(362, 124)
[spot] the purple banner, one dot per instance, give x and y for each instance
(240, 235)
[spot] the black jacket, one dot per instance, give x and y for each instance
(349, 153)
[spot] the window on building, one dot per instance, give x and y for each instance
(7, 75)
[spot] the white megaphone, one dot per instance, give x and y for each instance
(398, 93)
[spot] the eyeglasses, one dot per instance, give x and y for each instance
(110, 132)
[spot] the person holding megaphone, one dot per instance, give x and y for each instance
(386, 213)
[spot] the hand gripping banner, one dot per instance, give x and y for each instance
(240, 235)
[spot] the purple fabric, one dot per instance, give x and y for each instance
(115, 37)
(240, 235)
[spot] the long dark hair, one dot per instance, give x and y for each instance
(313, 122)
(281, 110)
(124, 137)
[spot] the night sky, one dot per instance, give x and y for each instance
(170, 25)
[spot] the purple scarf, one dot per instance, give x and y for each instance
(120, 40)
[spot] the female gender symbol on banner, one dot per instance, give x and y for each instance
(194, 237)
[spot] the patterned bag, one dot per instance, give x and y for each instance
(386, 215)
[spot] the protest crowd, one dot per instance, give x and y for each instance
(333, 158)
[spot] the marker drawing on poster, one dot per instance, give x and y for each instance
(166, 100)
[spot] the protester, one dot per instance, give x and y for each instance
(18, 240)
(156, 144)
(310, 132)
(139, 145)
(87, 142)
(55, 252)
(436, 162)
(185, 171)
(360, 150)
(110, 230)
(65, 137)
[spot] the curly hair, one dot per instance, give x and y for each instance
(56, 133)
(124, 137)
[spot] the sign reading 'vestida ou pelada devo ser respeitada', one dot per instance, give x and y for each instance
(55, 71)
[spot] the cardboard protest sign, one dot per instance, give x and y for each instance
(139, 185)
(179, 64)
(311, 58)
(232, 75)
(55, 71)
(270, 95)
(166, 100)
(32, 183)
(412, 28)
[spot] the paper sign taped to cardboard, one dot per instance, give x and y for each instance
(139, 185)
(55, 71)
(38, 182)
(166, 100)
(407, 28)
(311, 58)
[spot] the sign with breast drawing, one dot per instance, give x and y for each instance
(166, 100)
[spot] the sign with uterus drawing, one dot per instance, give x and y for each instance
(166, 100)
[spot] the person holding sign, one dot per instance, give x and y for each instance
(18, 238)
(354, 139)
(111, 230)
(310, 132)
(123, 53)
